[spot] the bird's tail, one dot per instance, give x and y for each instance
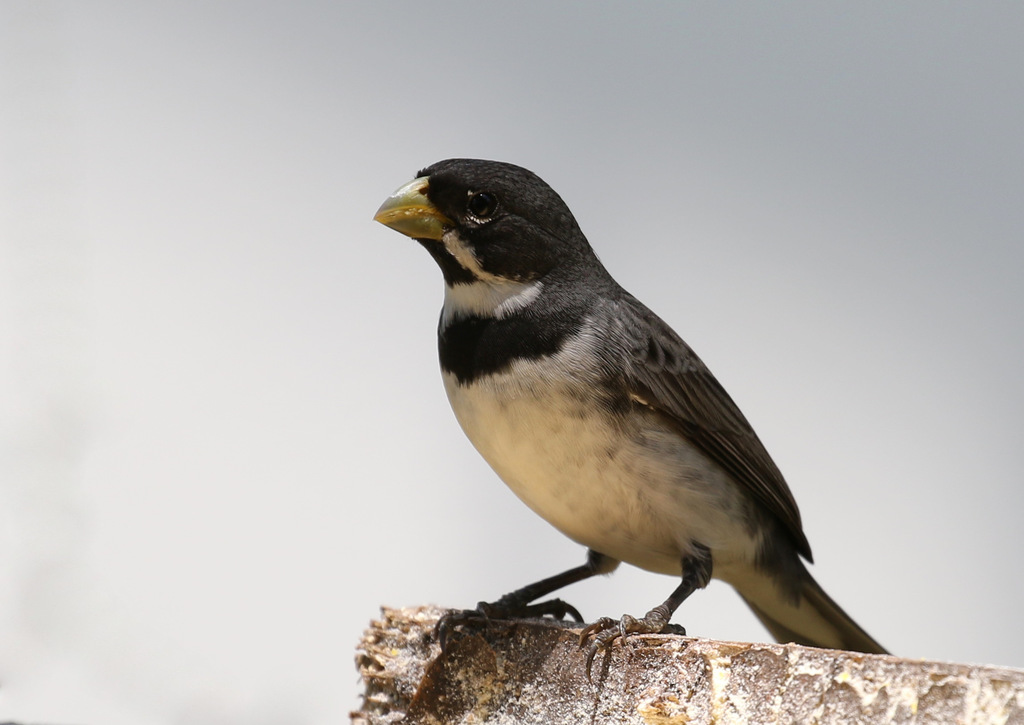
(814, 619)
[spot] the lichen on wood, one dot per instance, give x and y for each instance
(533, 672)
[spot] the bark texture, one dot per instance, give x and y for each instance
(533, 672)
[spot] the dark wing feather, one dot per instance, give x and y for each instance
(668, 376)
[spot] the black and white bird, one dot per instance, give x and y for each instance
(598, 416)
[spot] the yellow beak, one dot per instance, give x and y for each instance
(410, 212)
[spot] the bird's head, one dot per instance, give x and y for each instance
(487, 221)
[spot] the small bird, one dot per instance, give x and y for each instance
(599, 417)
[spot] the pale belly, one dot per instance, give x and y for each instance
(638, 493)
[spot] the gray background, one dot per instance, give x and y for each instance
(224, 438)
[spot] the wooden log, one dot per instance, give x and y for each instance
(532, 671)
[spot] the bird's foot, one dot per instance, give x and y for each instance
(507, 607)
(601, 634)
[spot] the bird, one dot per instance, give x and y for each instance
(599, 417)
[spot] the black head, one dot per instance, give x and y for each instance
(488, 220)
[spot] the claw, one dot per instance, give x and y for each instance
(591, 654)
(603, 633)
(567, 608)
(504, 608)
(451, 620)
(596, 628)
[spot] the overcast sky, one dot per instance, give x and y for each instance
(224, 441)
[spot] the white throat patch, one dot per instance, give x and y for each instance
(492, 298)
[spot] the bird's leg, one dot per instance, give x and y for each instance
(517, 604)
(696, 575)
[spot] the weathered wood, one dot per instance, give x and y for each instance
(533, 672)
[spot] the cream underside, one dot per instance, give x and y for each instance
(642, 498)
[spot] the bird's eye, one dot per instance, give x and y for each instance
(482, 205)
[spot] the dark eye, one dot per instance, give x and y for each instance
(482, 205)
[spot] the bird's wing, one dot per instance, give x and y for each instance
(665, 374)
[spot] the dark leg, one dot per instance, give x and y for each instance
(696, 575)
(517, 603)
